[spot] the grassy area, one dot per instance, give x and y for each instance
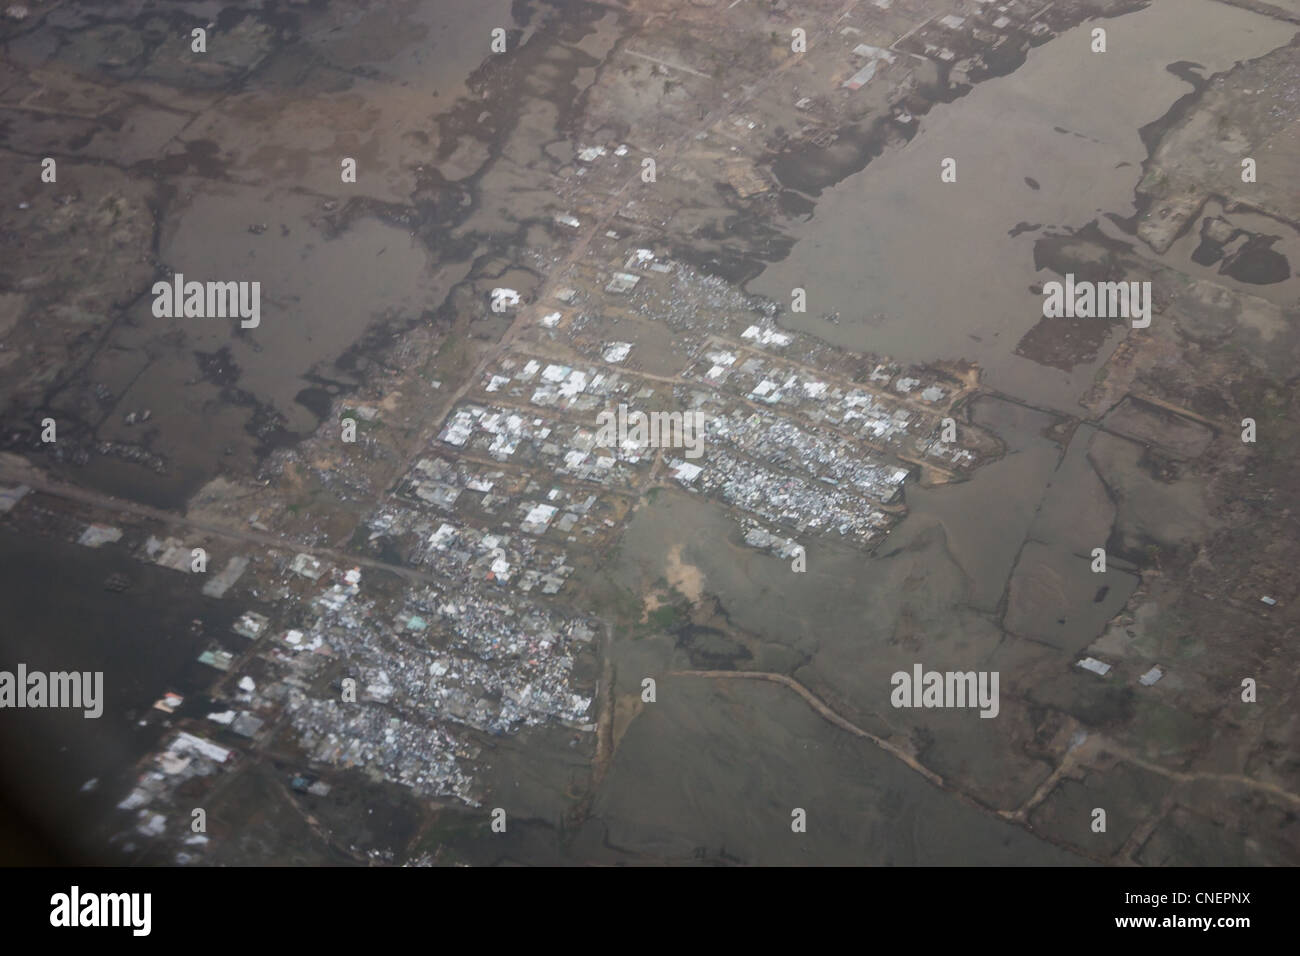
(666, 618)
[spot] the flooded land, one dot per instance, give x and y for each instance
(380, 566)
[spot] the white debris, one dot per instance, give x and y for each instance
(136, 798)
(11, 496)
(504, 298)
(97, 534)
(575, 384)
(442, 534)
(765, 336)
(538, 519)
(874, 52)
(188, 743)
(622, 282)
(250, 625)
(1094, 665)
(308, 566)
(617, 351)
(684, 471)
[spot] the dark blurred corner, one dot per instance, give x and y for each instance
(25, 839)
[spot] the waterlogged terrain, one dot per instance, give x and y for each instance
(437, 620)
(932, 273)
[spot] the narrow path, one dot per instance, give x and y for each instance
(43, 483)
(1094, 746)
(825, 711)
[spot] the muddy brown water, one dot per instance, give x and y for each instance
(60, 617)
(921, 270)
(254, 194)
(997, 568)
